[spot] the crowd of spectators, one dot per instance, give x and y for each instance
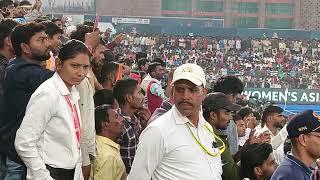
(264, 62)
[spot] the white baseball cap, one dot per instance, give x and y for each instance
(190, 72)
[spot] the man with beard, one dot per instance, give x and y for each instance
(155, 94)
(217, 110)
(272, 122)
(178, 145)
(128, 94)
(98, 58)
(23, 76)
(232, 87)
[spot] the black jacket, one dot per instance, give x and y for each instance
(3, 65)
(22, 79)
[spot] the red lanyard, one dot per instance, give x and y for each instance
(75, 118)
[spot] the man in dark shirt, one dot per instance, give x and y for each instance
(6, 53)
(217, 110)
(304, 133)
(6, 50)
(23, 76)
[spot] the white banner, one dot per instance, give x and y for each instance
(130, 20)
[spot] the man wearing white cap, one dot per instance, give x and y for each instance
(179, 145)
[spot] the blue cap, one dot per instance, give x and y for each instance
(303, 123)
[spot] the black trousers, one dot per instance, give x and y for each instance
(60, 174)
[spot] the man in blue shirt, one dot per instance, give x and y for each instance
(304, 133)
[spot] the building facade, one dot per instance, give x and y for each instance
(275, 14)
(310, 15)
(129, 7)
(279, 14)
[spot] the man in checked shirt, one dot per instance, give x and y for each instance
(128, 94)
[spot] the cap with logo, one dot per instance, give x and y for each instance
(303, 123)
(190, 72)
(218, 100)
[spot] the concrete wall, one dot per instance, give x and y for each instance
(310, 13)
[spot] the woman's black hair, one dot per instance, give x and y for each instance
(71, 49)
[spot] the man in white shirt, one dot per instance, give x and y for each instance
(179, 145)
(145, 82)
(272, 122)
(86, 106)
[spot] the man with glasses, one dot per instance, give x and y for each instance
(108, 164)
(217, 110)
(179, 144)
(304, 133)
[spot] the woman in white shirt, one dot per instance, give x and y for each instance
(48, 138)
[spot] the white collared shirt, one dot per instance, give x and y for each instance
(243, 139)
(47, 133)
(145, 82)
(86, 105)
(167, 150)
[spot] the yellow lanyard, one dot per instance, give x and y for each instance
(203, 147)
